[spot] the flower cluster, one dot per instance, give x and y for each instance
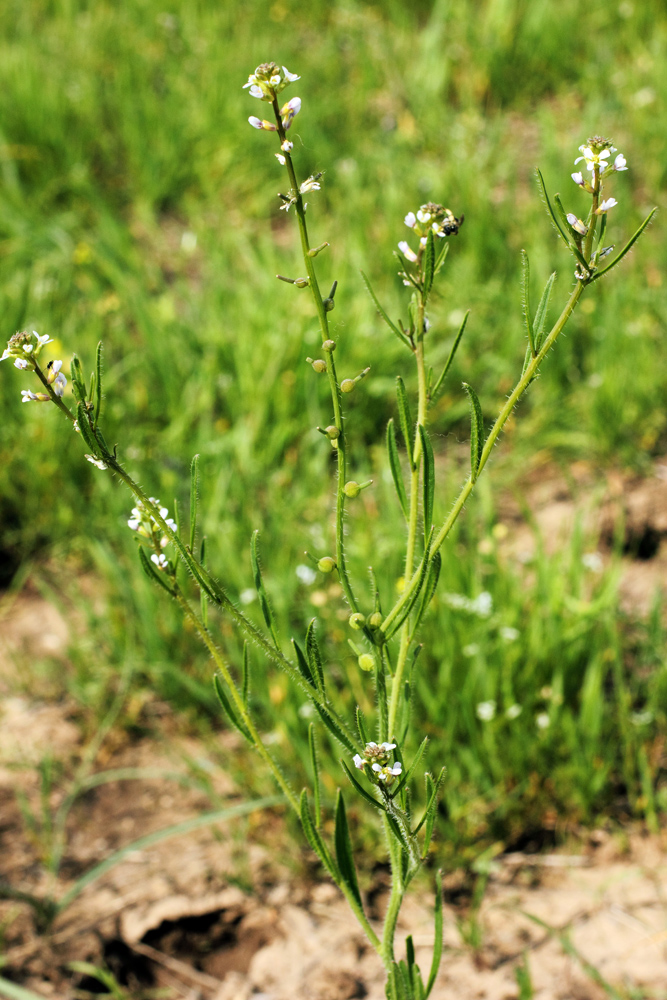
(24, 348)
(265, 84)
(596, 153)
(145, 525)
(430, 218)
(377, 757)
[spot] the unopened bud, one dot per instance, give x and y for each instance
(366, 661)
(329, 346)
(375, 620)
(326, 564)
(347, 385)
(357, 621)
(314, 252)
(319, 365)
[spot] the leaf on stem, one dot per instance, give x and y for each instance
(194, 500)
(261, 592)
(432, 789)
(545, 197)
(429, 262)
(78, 382)
(230, 709)
(395, 466)
(437, 942)
(312, 746)
(628, 246)
(98, 384)
(360, 788)
(414, 591)
(525, 300)
(361, 726)
(314, 656)
(302, 664)
(153, 573)
(436, 388)
(540, 323)
(84, 426)
(343, 844)
(392, 326)
(334, 727)
(429, 480)
(429, 590)
(405, 419)
(245, 677)
(476, 431)
(411, 770)
(315, 840)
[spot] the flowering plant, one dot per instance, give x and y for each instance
(385, 639)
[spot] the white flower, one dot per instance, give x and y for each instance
(387, 746)
(96, 462)
(423, 216)
(508, 633)
(281, 159)
(486, 710)
(578, 178)
(19, 363)
(275, 80)
(387, 773)
(256, 91)
(577, 224)
(248, 595)
(306, 574)
(604, 206)
(59, 384)
(407, 252)
(160, 561)
(641, 718)
(619, 163)
(310, 184)
(542, 720)
(29, 397)
(593, 561)
(593, 159)
(513, 712)
(359, 762)
(41, 341)
(289, 111)
(261, 123)
(410, 220)
(286, 146)
(290, 77)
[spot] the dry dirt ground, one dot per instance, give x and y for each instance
(212, 914)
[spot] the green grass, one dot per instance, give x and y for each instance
(122, 127)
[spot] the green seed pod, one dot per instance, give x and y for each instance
(328, 304)
(332, 432)
(352, 489)
(319, 366)
(301, 282)
(329, 346)
(375, 620)
(366, 661)
(326, 564)
(357, 621)
(347, 385)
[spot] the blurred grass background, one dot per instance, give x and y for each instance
(138, 207)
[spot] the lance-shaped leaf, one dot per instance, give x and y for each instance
(360, 788)
(259, 587)
(540, 324)
(302, 663)
(429, 262)
(574, 249)
(334, 727)
(628, 246)
(429, 479)
(414, 591)
(437, 942)
(452, 353)
(405, 420)
(314, 839)
(476, 431)
(230, 709)
(361, 726)
(429, 590)
(441, 255)
(381, 696)
(395, 466)
(153, 573)
(315, 764)
(411, 770)
(78, 382)
(392, 326)
(344, 858)
(432, 789)
(245, 676)
(84, 427)
(97, 395)
(314, 656)
(525, 300)
(203, 596)
(194, 500)
(556, 221)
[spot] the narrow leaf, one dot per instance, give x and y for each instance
(98, 383)
(432, 811)
(343, 844)
(230, 709)
(416, 590)
(361, 726)
(334, 728)
(545, 197)
(410, 952)
(429, 262)
(245, 677)
(312, 746)
(152, 572)
(302, 663)
(395, 466)
(314, 656)
(525, 300)
(78, 382)
(628, 246)
(441, 256)
(411, 770)
(261, 592)
(314, 839)
(452, 353)
(429, 479)
(540, 323)
(437, 942)
(429, 589)
(392, 326)
(203, 596)
(405, 419)
(360, 788)
(432, 788)
(194, 500)
(84, 427)
(476, 431)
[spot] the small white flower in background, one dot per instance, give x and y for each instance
(542, 720)
(593, 561)
(641, 718)
(160, 561)
(486, 710)
(472, 649)
(578, 226)
(188, 242)
(619, 163)
(98, 463)
(30, 397)
(306, 574)
(482, 605)
(509, 634)
(410, 220)
(604, 206)
(513, 712)
(248, 595)
(407, 252)
(307, 710)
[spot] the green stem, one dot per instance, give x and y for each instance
(501, 420)
(395, 898)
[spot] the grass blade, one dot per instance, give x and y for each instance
(395, 466)
(392, 326)
(476, 431)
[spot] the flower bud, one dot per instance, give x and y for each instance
(352, 489)
(319, 366)
(326, 564)
(375, 620)
(329, 346)
(347, 385)
(366, 661)
(357, 621)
